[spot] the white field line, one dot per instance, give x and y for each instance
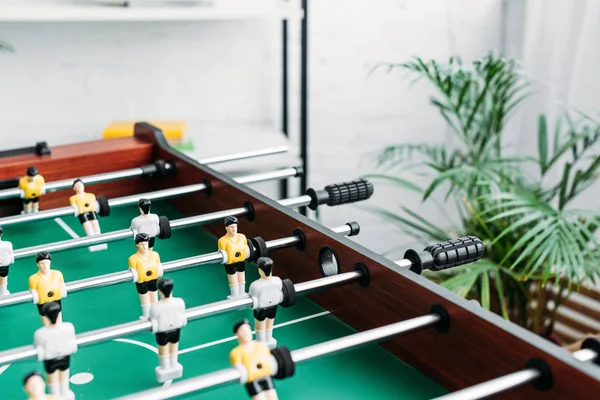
(138, 343)
(231, 338)
(66, 227)
(4, 368)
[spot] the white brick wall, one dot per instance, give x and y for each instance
(66, 82)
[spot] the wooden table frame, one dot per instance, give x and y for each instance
(479, 346)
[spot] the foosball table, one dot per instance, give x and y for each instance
(130, 271)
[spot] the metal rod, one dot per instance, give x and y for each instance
(316, 285)
(494, 386)
(134, 172)
(212, 380)
(160, 194)
(88, 180)
(284, 242)
(218, 307)
(283, 184)
(106, 334)
(231, 375)
(508, 382)
(247, 154)
(304, 101)
(204, 311)
(296, 201)
(175, 224)
(364, 338)
(284, 78)
(404, 263)
(170, 266)
(207, 218)
(268, 176)
(74, 243)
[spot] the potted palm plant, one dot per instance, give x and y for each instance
(539, 247)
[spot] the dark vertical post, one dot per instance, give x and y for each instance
(283, 184)
(304, 102)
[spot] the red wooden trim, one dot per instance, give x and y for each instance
(78, 160)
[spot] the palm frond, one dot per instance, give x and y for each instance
(468, 179)
(467, 277)
(424, 230)
(394, 155)
(551, 238)
(6, 47)
(394, 181)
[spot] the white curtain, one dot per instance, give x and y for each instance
(557, 42)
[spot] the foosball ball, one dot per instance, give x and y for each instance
(130, 271)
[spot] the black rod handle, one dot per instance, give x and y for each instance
(340, 193)
(445, 255)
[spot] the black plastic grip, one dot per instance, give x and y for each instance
(341, 193)
(289, 293)
(286, 366)
(164, 225)
(354, 228)
(299, 171)
(545, 380)
(159, 168)
(258, 248)
(446, 255)
(103, 206)
(455, 252)
(349, 192)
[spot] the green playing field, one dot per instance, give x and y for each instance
(126, 365)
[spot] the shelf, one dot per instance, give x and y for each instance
(144, 11)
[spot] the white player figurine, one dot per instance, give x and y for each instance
(6, 259)
(54, 344)
(167, 317)
(146, 222)
(266, 293)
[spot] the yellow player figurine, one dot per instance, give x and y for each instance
(167, 317)
(254, 361)
(54, 345)
(235, 250)
(32, 186)
(35, 387)
(47, 286)
(146, 269)
(7, 257)
(86, 207)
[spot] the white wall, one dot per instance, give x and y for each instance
(66, 82)
(355, 115)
